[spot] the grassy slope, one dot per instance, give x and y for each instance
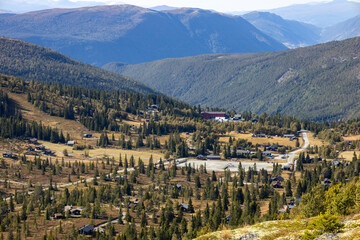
(29, 61)
(284, 229)
(318, 82)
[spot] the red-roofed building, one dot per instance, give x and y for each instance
(213, 115)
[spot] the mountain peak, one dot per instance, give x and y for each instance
(131, 34)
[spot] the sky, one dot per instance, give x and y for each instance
(218, 5)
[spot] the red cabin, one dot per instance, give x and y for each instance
(213, 115)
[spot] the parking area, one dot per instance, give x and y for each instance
(219, 165)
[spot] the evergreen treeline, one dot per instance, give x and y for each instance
(29, 61)
(232, 200)
(319, 82)
(13, 125)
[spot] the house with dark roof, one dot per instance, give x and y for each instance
(272, 147)
(286, 168)
(184, 207)
(8, 155)
(86, 230)
(87, 135)
(277, 178)
(33, 141)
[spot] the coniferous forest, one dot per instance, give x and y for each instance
(56, 195)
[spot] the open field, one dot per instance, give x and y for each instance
(257, 140)
(352, 138)
(348, 155)
(219, 165)
(100, 152)
(314, 140)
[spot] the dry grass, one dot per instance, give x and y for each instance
(314, 140)
(31, 113)
(352, 138)
(100, 152)
(132, 122)
(256, 140)
(348, 155)
(227, 234)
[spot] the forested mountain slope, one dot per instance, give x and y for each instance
(125, 33)
(29, 61)
(320, 82)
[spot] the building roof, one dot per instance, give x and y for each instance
(214, 112)
(87, 228)
(184, 205)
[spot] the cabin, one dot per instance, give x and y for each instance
(264, 144)
(178, 186)
(58, 216)
(260, 135)
(48, 152)
(118, 178)
(243, 152)
(286, 168)
(87, 135)
(277, 184)
(71, 143)
(268, 154)
(335, 163)
(184, 207)
(40, 148)
(213, 115)
(86, 230)
(221, 119)
(237, 117)
(8, 155)
(213, 157)
(278, 179)
(254, 120)
(75, 211)
(31, 149)
(33, 141)
(290, 136)
(272, 147)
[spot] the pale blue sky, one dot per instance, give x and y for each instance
(218, 5)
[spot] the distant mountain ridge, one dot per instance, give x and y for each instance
(343, 30)
(32, 62)
(320, 82)
(321, 14)
(101, 34)
(289, 32)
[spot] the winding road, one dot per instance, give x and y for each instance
(292, 154)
